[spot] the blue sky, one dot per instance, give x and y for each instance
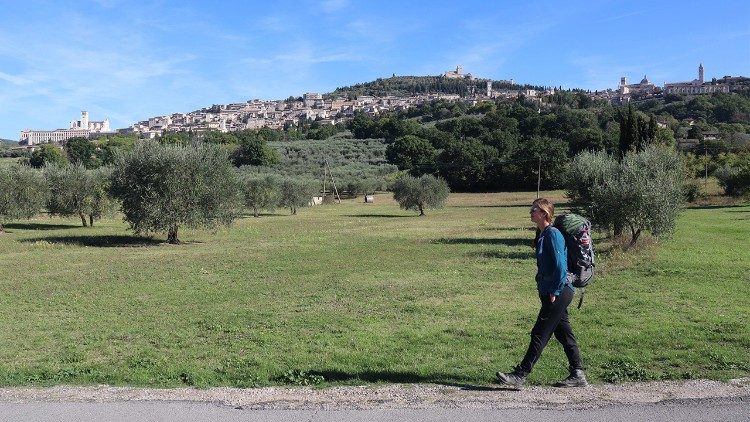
(130, 60)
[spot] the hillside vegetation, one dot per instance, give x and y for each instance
(405, 86)
(503, 144)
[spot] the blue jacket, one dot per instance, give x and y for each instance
(551, 262)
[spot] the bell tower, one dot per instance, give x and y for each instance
(84, 120)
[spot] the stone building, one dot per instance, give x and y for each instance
(696, 86)
(83, 127)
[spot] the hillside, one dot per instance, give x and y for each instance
(412, 85)
(348, 159)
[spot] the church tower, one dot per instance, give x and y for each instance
(85, 120)
(700, 73)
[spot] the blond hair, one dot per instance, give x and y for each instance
(546, 206)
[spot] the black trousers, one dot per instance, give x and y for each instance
(553, 318)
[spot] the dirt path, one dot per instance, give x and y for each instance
(397, 396)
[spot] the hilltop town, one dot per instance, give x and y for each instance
(332, 109)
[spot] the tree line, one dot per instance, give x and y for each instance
(415, 85)
(161, 188)
(158, 187)
(501, 145)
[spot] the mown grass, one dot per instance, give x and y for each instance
(359, 293)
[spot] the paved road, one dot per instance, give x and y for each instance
(679, 401)
(714, 410)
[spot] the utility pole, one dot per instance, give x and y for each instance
(335, 191)
(705, 162)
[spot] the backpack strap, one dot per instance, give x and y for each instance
(580, 301)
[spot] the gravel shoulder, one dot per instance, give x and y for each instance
(398, 396)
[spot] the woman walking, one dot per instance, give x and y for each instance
(555, 293)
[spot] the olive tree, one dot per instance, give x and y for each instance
(414, 193)
(165, 187)
(589, 170)
(22, 193)
(360, 186)
(101, 203)
(296, 193)
(77, 191)
(643, 192)
(735, 179)
(260, 192)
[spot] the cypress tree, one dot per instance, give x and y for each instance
(632, 135)
(652, 128)
(623, 134)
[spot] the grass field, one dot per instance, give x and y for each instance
(359, 293)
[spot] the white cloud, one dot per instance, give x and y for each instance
(15, 80)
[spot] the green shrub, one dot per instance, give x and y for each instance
(297, 377)
(735, 179)
(692, 189)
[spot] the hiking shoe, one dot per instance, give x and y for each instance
(512, 380)
(576, 379)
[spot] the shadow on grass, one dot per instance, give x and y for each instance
(480, 241)
(40, 226)
(262, 214)
(488, 206)
(557, 205)
(497, 229)
(714, 207)
(502, 255)
(106, 241)
(387, 376)
(381, 215)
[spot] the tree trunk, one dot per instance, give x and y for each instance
(635, 234)
(255, 212)
(2, 229)
(294, 210)
(83, 219)
(618, 229)
(421, 211)
(91, 220)
(172, 235)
